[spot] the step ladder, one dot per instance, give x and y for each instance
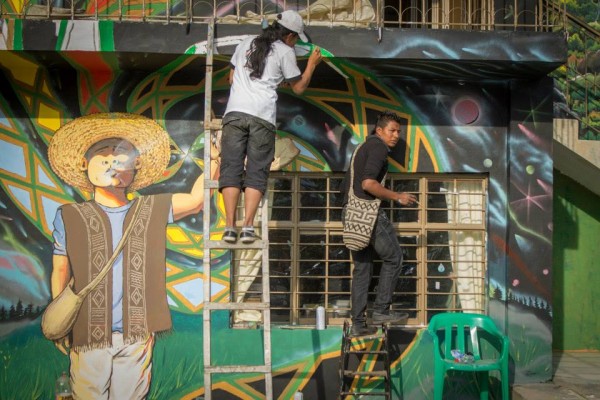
(211, 128)
(347, 374)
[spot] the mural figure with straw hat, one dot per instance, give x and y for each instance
(112, 155)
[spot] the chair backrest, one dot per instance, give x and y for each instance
(454, 326)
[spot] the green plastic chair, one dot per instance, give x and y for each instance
(467, 333)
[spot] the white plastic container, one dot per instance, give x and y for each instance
(320, 324)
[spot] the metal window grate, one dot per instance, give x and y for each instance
(443, 239)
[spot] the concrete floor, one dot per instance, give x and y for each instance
(576, 377)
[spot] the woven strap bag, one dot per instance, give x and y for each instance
(359, 215)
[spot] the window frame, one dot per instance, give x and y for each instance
(303, 313)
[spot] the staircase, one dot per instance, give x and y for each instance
(578, 81)
(577, 106)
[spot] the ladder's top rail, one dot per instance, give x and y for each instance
(470, 14)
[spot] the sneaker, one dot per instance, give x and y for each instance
(230, 235)
(389, 317)
(362, 329)
(247, 236)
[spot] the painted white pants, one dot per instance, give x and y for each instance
(120, 372)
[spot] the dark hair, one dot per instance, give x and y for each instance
(385, 118)
(261, 47)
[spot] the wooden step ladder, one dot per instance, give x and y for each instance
(211, 128)
(347, 374)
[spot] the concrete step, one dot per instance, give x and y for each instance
(558, 390)
(544, 391)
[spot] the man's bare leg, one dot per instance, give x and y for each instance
(252, 199)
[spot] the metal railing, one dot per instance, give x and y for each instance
(579, 79)
(540, 15)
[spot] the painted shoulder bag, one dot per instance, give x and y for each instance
(359, 215)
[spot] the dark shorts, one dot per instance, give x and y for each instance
(248, 140)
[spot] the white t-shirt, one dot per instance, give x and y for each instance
(258, 97)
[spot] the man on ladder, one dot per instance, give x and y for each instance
(369, 166)
(259, 66)
(247, 151)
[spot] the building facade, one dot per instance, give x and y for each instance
(471, 83)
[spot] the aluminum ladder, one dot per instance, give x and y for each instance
(211, 127)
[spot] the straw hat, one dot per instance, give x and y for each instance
(71, 141)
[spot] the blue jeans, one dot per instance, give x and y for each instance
(246, 140)
(384, 243)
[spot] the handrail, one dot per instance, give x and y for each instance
(582, 24)
(577, 82)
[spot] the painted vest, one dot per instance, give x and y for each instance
(89, 246)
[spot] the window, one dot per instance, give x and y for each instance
(443, 239)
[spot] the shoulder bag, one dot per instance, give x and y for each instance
(359, 215)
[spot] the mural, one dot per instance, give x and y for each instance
(320, 11)
(131, 302)
(496, 128)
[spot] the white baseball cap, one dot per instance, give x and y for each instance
(293, 21)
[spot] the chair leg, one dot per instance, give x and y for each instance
(438, 383)
(484, 379)
(505, 383)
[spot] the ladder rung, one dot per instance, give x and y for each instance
(366, 337)
(229, 369)
(365, 373)
(211, 184)
(364, 394)
(236, 306)
(220, 244)
(214, 124)
(366, 352)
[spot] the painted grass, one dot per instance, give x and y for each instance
(30, 364)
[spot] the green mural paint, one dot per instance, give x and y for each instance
(9, 238)
(18, 35)
(107, 39)
(62, 30)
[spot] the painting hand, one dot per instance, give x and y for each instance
(315, 57)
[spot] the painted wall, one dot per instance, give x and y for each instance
(575, 258)
(502, 128)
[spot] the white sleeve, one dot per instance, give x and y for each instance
(235, 59)
(171, 218)
(59, 235)
(289, 66)
(240, 55)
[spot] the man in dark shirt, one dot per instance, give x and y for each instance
(370, 167)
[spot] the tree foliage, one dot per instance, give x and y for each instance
(587, 10)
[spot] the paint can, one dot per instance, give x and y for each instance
(320, 318)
